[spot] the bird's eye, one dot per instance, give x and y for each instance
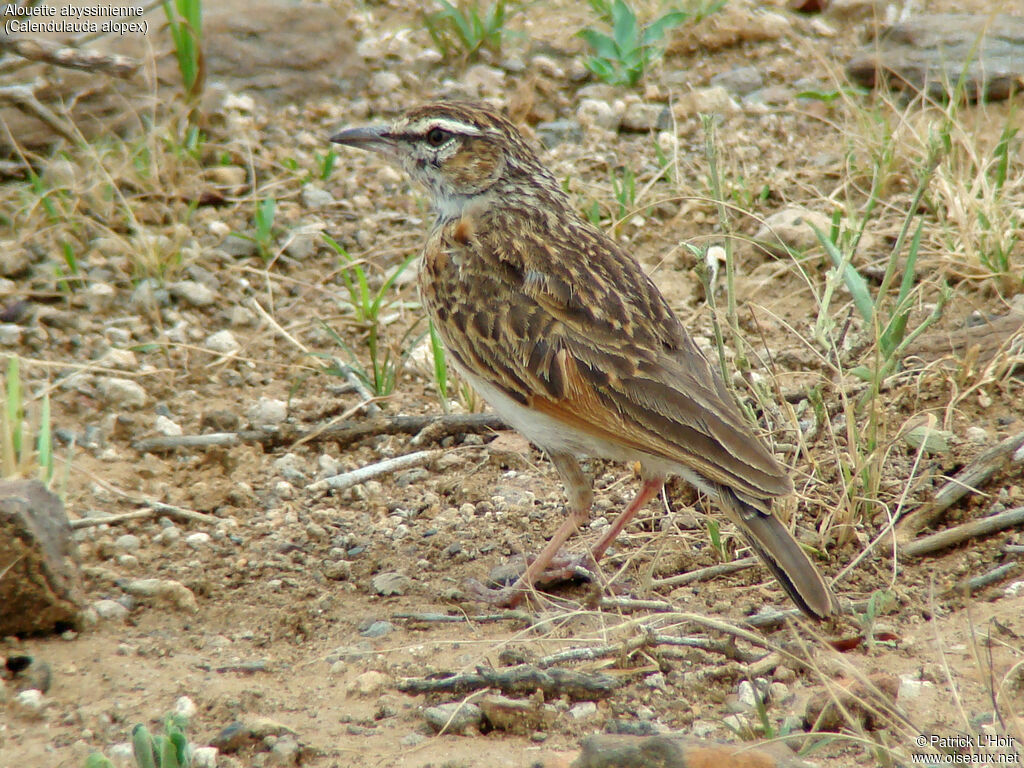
(436, 137)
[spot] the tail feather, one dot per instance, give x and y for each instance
(775, 545)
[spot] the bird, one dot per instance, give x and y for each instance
(559, 329)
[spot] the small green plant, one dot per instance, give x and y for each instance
(622, 57)
(185, 22)
(715, 537)
(880, 601)
(19, 455)
(624, 189)
(262, 229)
(440, 366)
(366, 305)
(167, 750)
(468, 27)
(325, 163)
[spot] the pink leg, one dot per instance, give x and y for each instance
(580, 499)
(648, 491)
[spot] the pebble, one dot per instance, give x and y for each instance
(598, 113)
(745, 695)
(583, 710)
(454, 717)
(29, 704)
(290, 467)
(205, 757)
(198, 540)
(656, 681)
(194, 293)
(122, 393)
(168, 536)
(390, 583)
(267, 412)
(712, 100)
(122, 755)
(378, 629)
(301, 244)
(339, 570)
(128, 542)
(978, 435)
(10, 334)
(122, 359)
(166, 426)
(100, 297)
(741, 80)
(148, 296)
(110, 610)
(384, 82)
(912, 688)
(173, 592)
(558, 132)
(285, 752)
(185, 707)
(369, 683)
(641, 117)
(222, 342)
(484, 81)
(792, 226)
(240, 247)
(315, 198)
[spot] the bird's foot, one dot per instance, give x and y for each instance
(506, 586)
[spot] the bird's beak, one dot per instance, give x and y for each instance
(372, 138)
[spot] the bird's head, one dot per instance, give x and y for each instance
(457, 151)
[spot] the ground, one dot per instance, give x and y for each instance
(285, 596)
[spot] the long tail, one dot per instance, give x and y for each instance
(778, 549)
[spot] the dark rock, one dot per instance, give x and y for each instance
(929, 53)
(40, 579)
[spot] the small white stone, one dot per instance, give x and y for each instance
(166, 426)
(205, 757)
(100, 296)
(123, 393)
(185, 707)
(122, 359)
(384, 82)
(122, 755)
(110, 610)
(314, 197)
(268, 412)
(29, 704)
(912, 688)
(128, 542)
(198, 540)
(223, 342)
(745, 695)
(583, 710)
(10, 334)
(192, 292)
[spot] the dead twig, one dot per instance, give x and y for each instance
(647, 640)
(24, 98)
(386, 467)
(343, 433)
(70, 58)
(981, 468)
(705, 574)
(960, 533)
(523, 679)
(973, 584)
(444, 618)
(155, 508)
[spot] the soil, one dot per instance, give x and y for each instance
(284, 585)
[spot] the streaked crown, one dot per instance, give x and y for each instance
(457, 151)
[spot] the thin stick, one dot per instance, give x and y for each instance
(70, 58)
(705, 574)
(24, 98)
(981, 468)
(344, 433)
(155, 508)
(961, 533)
(986, 579)
(361, 475)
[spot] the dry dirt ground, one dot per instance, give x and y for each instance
(285, 598)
